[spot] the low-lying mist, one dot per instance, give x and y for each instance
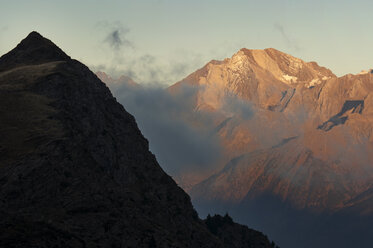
(163, 119)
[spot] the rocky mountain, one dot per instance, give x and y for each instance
(115, 82)
(75, 170)
(293, 134)
(264, 77)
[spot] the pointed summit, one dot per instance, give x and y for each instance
(34, 49)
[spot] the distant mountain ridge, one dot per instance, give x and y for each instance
(262, 77)
(295, 104)
(112, 82)
(306, 143)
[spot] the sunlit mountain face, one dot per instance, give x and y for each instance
(294, 152)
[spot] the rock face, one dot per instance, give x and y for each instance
(300, 142)
(307, 142)
(75, 171)
(113, 83)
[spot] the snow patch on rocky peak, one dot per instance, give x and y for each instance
(313, 82)
(289, 79)
(238, 59)
(366, 72)
(316, 81)
(295, 63)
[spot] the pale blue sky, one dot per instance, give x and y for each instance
(168, 39)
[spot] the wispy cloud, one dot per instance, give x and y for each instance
(117, 38)
(125, 58)
(287, 38)
(235, 106)
(116, 35)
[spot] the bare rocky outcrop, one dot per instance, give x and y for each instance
(307, 138)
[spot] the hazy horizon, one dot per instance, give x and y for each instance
(162, 41)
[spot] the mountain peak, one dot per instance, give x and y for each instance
(34, 35)
(34, 49)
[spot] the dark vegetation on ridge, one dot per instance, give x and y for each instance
(75, 170)
(235, 235)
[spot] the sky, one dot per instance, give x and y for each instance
(162, 41)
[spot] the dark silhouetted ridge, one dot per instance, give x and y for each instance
(236, 235)
(75, 170)
(33, 50)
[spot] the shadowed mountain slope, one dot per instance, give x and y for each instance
(75, 170)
